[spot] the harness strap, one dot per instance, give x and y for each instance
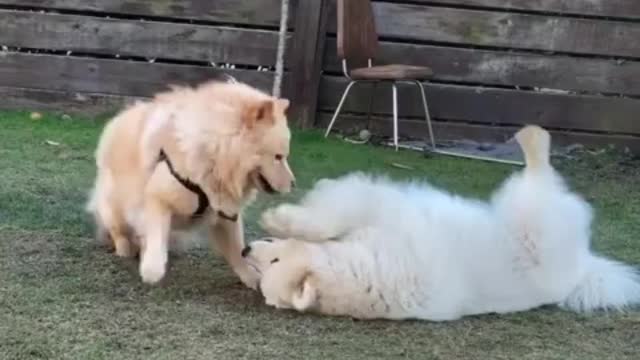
(203, 200)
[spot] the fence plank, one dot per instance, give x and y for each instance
(520, 31)
(260, 13)
(137, 38)
(414, 129)
(494, 106)
(306, 60)
(117, 77)
(86, 104)
(508, 68)
(628, 9)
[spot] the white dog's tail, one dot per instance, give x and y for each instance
(607, 285)
(536, 145)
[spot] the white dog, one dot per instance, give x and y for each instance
(370, 248)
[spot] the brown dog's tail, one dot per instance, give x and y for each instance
(536, 146)
(101, 233)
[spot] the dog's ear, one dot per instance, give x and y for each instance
(283, 104)
(260, 113)
(305, 293)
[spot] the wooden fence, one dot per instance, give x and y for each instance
(572, 66)
(94, 54)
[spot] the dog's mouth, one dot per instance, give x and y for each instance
(251, 264)
(254, 267)
(264, 185)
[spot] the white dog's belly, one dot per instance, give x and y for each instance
(442, 271)
(511, 278)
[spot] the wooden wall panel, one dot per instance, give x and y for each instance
(411, 22)
(493, 67)
(251, 12)
(115, 77)
(625, 9)
(138, 38)
(493, 106)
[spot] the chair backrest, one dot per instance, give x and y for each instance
(357, 37)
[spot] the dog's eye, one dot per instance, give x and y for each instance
(279, 157)
(275, 260)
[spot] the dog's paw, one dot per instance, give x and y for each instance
(123, 247)
(125, 251)
(278, 221)
(152, 269)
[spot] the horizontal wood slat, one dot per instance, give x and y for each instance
(138, 38)
(629, 9)
(493, 106)
(412, 22)
(72, 74)
(259, 13)
(415, 129)
(86, 104)
(508, 68)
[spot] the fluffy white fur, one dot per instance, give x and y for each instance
(368, 247)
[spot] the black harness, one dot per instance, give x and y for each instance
(203, 200)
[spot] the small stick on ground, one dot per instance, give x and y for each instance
(402, 166)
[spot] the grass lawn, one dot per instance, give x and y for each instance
(63, 296)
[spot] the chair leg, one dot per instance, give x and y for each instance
(426, 115)
(395, 115)
(335, 115)
(372, 96)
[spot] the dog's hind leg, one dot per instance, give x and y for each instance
(536, 146)
(548, 225)
(121, 243)
(111, 225)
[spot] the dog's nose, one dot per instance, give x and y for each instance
(293, 184)
(245, 251)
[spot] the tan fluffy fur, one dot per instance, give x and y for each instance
(228, 138)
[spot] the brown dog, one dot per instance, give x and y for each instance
(189, 156)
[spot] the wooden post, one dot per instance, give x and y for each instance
(307, 50)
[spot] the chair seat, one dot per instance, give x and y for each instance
(391, 72)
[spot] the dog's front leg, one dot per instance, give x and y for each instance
(228, 238)
(155, 252)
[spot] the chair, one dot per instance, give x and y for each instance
(357, 46)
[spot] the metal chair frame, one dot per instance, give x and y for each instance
(394, 89)
(427, 116)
